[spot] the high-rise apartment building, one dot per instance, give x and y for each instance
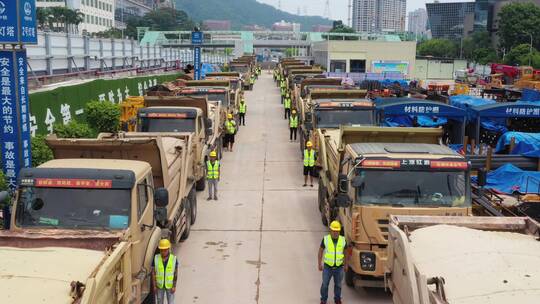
(98, 14)
(124, 9)
(451, 20)
(418, 21)
(379, 15)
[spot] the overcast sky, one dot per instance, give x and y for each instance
(338, 8)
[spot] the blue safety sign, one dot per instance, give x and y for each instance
(197, 62)
(18, 24)
(14, 123)
(196, 37)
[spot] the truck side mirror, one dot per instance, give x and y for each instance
(161, 197)
(209, 131)
(482, 177)
(357, 181)
(343, 183)
(343, 200)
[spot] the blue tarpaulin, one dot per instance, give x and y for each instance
(530, 95)
(524, 142)
(402, 112)
(408, 121)
(208, 68)
(510, 179)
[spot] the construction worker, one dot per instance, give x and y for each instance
(259, 70)
(309, 163)
(164, 273)
(332, 253)
(293, 125)
(283, 89)
(242, 112)
(212, 175)
(230, 131)
(287, 105)
(251, 81)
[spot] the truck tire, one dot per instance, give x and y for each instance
(186, 233)
(349, 277)
(321, 196)
(193, 200)
(151, 297)
(200, 185)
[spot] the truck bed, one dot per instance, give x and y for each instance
(481, 259)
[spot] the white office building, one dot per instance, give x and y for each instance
(379, 15)
(98, 14)
(418, 22)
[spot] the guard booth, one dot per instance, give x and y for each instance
(489, 122)
(412, 112)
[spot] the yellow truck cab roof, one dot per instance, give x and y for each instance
(140, 168)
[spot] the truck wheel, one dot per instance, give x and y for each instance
(349, 277)
(186, 233)
(200, 185)
(323, 215)
(151, 297)
(322, 195)
(193, 200)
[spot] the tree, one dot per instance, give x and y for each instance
(477, 48)
(339, 27)
(59, 19)
(438, 48)
(517, 22)
(521, 54)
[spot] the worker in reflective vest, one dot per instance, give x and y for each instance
(287, 105)
(309, 163)
(251, 81)
(230, 132)
(333, 254)
(212, 175)
(242, 109)
(282, 86)
(164, 273)
(293, 125)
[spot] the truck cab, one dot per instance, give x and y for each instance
(372, 173)
(95, 219)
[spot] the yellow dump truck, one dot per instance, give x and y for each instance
(326, 110)
(85, 229)
(235, 80)
(178, 115)
(463, 260)
(370, 173)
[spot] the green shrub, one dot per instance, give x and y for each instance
(40, 151)
(103, 116)
(73, 129)
(3, 182)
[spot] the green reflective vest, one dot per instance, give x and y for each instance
(334, 253)
(309, 158)
(282, 84)
(252, 80)
(287, 103)
(230, 125)
(293, 121)
(242, 108)
(164, 274)
(212, 171)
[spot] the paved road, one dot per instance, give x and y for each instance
(259, 242)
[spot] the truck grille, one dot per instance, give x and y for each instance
(383, 228)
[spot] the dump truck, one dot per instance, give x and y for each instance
(245, 71)
(302, 91)
(326, 110)
(463, 259)
(171, 115)
(235, 80)
(370, 173)
(85, 229)
(215, 94)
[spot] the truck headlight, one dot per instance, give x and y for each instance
(367, 261)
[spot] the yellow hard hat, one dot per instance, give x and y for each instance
(164, 244)
(309, 144)
(335, 226)
(294, 111)
(213, 154)
(229, 116)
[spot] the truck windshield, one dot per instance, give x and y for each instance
(167, 125)
(73, 208)
(413, 188)
(335, 118)
(219, 97)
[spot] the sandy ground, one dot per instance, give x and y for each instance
(259, 242)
